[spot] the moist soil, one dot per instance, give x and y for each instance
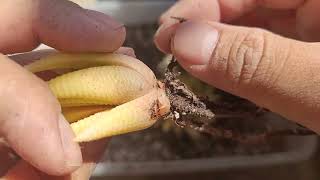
(204, 121)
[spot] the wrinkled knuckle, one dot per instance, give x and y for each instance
(246, 56)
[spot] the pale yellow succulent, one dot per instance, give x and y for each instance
(105, 94)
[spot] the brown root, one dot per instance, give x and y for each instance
(201, 114)
(185, 105)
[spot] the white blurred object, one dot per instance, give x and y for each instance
(43, 46)
(133, 12)
(84, 2)
(129, 12)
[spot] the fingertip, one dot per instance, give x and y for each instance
(70, 28)
(163, 36)
(105, 33)
(71, 149)
(194, 43)
(29, 123)
(195, 10)
(62, 25)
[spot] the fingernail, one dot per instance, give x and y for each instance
(159, 30)
(194, 42)
(105, 19)
(165, 25)
(164, 34)
(71, 149)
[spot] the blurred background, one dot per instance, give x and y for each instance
(167, 151)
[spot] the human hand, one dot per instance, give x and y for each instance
(249, 58)
(30, 118)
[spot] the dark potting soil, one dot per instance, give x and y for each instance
(157, 144)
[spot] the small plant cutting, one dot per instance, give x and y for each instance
(107, 94)
(102, 95)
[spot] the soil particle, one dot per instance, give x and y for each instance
(185, 105)
(201, 114)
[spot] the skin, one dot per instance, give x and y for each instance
(28, 109)
(259, 50)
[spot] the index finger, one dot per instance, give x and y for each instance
(60, 24)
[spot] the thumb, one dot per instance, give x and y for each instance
(272, 71)
(31, 122)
